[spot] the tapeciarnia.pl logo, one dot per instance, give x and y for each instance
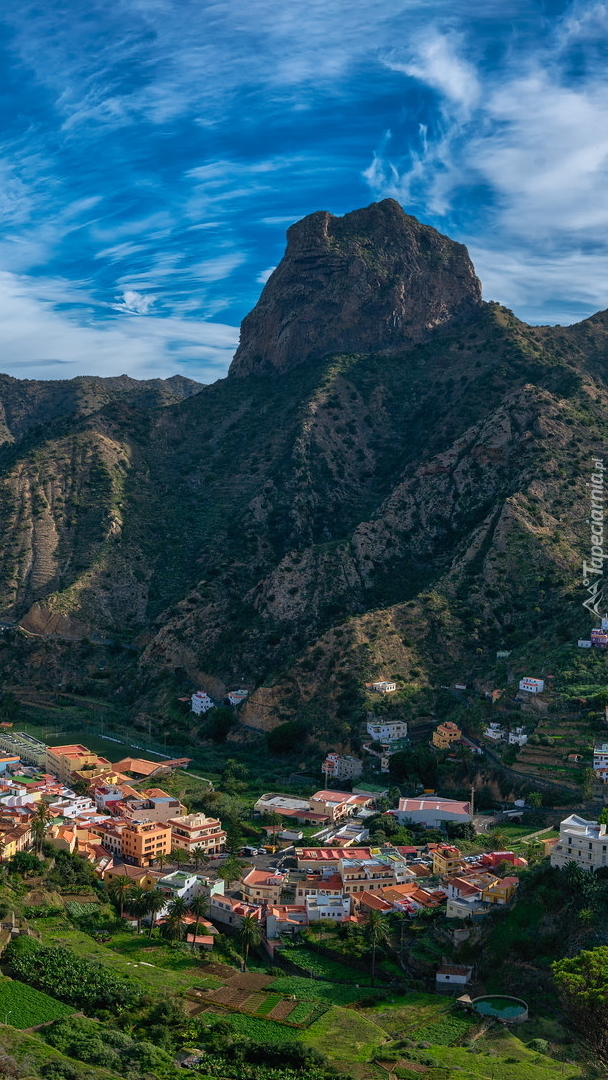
(593, 570)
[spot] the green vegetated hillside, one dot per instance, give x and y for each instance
(313, 521)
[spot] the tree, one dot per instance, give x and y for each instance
(603, 816)
(25, 863)
(249, 934)
(179, 856)
(118, 891)
(230, 870)
(199, 857)
(582, 982)
(535, 799)
(156, 902)
(136, 903)
(174, 927)
(199, 907)
(375, 932)
(40, 822)
(161, 860)
(589, 780)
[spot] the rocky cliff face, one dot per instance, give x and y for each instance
(375, 280)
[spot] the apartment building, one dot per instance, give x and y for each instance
(582, 842)
(342, 766)
(197, 831)
(63, 761)
(445, 734)
(261, 886)
(386, 731)
(446, 860)
(139, 843)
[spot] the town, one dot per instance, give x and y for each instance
(315, 912)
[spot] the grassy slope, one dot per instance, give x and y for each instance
(31, 1053)
(173, 976)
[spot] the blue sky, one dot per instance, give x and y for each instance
(153, 152)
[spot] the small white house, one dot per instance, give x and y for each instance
(453, 975)
(517, 737)
(494, 732)
(237, 697)
(533, 686)
(387, 731)
(584, 643)
(201, 702)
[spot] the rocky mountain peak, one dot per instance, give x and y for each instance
(375, 280)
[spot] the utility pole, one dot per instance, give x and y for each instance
(472, 802)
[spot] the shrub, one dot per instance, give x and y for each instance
(78, 982)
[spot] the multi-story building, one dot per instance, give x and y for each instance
(261, 886)
(342, 766)
(139, 843)
(533, 686)
(446, 860)
(63, 761)
(201, 703)
(151, 805)
(445, 734)
(386, 731)
(184, 885)
(337, 805)
(517, 737)
(600, 760)
(194, 831)
(29, 749)
(582, 842)
(336, 908)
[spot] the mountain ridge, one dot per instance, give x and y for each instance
(302, 529)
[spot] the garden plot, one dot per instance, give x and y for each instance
(22, 1006)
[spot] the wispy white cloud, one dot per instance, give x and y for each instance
(528, 142)
(263, 276)
(135, 302)
(39, 339)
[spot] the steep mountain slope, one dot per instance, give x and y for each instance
(326, 514)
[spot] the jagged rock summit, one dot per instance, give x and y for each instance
(375, 280)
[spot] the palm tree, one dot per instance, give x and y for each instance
(161, 860)
(174, 927)
(199, 857)
(199, 906)
(136, 903)
(118, 889)
(249, 934)
(230, 870)
(40, 822)
(375, 933)
(155, 903)
(179, 856)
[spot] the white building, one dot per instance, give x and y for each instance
(201, 702)
(237, 697)
(584, 643)
(453, 975)
(322, 906)
(431, 811)
(533, 686)
(342, 766)
(386, 731)
(600, 756)
(517, 737)
(384, 686)
(494, 732)
(185, 886)
(582, 842)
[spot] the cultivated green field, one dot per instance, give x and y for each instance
(22, 1006)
